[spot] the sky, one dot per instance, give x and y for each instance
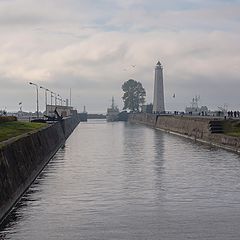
(91, 45)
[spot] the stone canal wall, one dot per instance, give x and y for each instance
(196, 128)
(190, 126)
(24, 157)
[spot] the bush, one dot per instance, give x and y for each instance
(7, 119)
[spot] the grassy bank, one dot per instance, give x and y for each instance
(13, 129)
(232, 128)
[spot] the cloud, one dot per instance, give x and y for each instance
(74, 44)
(145, 19)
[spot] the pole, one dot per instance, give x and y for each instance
(46, 100)
(70, 97)
(37, 97)
(60, 99)
(55, 99)
(51, 101)
(37, 103)
(46, 90)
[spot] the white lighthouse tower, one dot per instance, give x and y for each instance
(158, 99)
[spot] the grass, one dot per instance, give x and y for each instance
(13, 129)
(232, 128)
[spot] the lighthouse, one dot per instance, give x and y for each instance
(158, 98)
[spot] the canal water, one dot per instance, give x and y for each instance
(128, 181)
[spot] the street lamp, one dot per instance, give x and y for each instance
(55, 98)
(51, 97)
(37, 97)
(60, 98)
(46, 90)
(51, 101)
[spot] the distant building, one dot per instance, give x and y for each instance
(158, 98)
(83, 115)
(63, 111)
(148, 108)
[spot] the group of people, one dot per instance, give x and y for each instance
(235, 114)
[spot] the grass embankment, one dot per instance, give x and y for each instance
(232, 128)
(13, 129)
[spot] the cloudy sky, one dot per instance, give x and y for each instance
(91, 45)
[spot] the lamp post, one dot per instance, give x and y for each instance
(51, 97)
(46, 90)
(60, 98)
(55, 99)
(51, 101)
(55, 96)
(59, 101)
(31, 83)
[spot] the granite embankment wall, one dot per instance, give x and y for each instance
(196, 128)
(24, 157)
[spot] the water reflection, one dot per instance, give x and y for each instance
(159, 160)
(123, 181)
(31, 198)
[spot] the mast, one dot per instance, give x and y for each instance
(112, 102)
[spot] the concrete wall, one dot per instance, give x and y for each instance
(22, 159)
(144, 118)
(190, 126)
(196, 128)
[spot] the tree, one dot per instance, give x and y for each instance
(134, 95)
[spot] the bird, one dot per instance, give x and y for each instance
(133, 66)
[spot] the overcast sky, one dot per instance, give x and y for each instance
(91, 45)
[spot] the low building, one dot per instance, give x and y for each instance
(147, 108)
(63, 111)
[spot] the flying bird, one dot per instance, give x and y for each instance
(133, 66)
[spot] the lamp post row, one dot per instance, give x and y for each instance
(57, 97)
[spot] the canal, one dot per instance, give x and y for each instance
(128, 181)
